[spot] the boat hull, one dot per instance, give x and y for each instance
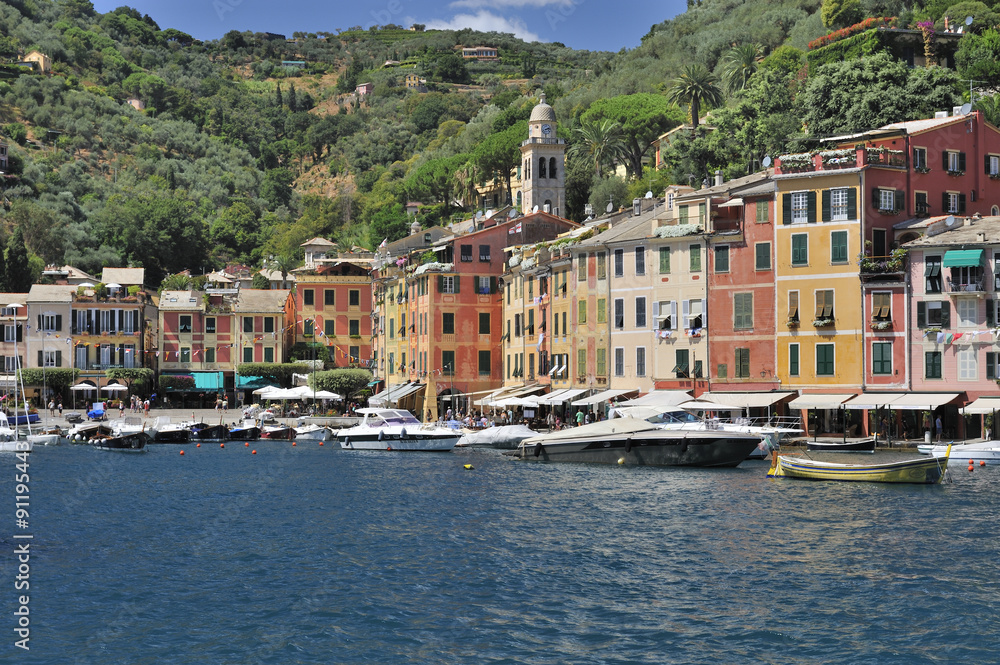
(306, 434)
(924, 471)
(862, 446)
(127, 443)
(986, 451)
(649, 448)
(278, 433)
(244, 433)
(179, 435)
(399, 443)
(211, 433)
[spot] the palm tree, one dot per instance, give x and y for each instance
(465, 181)
(283, 263)
(990, 106)
(176, 282)
(599, 140)
(694, 87)
(740, 64)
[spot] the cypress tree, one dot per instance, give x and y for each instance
(17, 274)
(277, 95)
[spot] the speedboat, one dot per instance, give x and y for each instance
(86, 431)
(638, 442)
(312, 432)
(501, 436)
(52, 436)
(395, 429)
(980, 451)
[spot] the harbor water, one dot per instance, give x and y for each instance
(310, 554)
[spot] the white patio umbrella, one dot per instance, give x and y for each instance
(265, 389)
(86, 285)
(114, 387)
(83, 386)
(325, 394)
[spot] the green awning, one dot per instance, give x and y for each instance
(208, 381)
(252, 382)
(963, 258)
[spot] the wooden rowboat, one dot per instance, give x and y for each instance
(926, 470)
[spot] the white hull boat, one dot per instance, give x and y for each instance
(396, 429)
(981, 451)
(312, 433)
(503, 436)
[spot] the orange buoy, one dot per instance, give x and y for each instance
(971, 468)
(197, 445)
(222, 445)
(293, 443)
(970, 462)
(982, 462)
(321, 443)
(246, 444)
(254, 452)
(182, 452)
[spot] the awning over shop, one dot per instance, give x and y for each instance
(873, 400)
(962, 258)
(747, 400)
(569, 394)
(922, 401)
(528, 390)
(552, 397)
(660, 398)
(394, 393)
(731, 203)
(981, 406)
(208, 381)
(603, 396)
(818, 401)
(252, 382)
(406, 391)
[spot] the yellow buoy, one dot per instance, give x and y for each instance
(621, 460)
(467, 466)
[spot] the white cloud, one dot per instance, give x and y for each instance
(485, 21)
(476, 4)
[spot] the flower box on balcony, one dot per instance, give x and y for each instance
(922, 169)
(995, 176)
(955, 173)
(793, 323)
(881, 325)
(822, 323)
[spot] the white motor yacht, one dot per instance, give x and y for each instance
(396, 429)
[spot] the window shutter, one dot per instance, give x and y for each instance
(900, 200)
(986, 164)
(989, 313)
(18, 333)
(685, 311)
(41, 359)
(458, 283)
(826, 205)
(811, 209)
(944, 156)
(991, 365)
(915, 159)
(39, 326)
(944, 202)
(786, 209)
(704, 313)
(945, 314)
(852, 203)
(876, 198)
(921, 315)
(58, 322)
(440, 283)
(961, 161)
(493, 285)
(135, 321)
(58, 358)
(961, 204)
(121, 320)
(656, 309)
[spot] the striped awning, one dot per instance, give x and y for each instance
(820, 401)
(962, 258)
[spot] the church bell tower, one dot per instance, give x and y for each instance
(543, 164)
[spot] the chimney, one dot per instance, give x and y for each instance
(636, 207)
(981, 237)
(718, 177)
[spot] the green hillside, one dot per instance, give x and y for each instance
(146, 147)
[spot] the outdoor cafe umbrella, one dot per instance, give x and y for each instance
(114, 387)
(83, 385)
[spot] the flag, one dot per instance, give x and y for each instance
(518, 227)
(384, 244)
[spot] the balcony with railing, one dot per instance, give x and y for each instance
(883, 267)
(838, 160)
(966, 285)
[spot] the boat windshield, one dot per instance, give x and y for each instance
(399, 418)
(670, 417)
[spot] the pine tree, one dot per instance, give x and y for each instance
(17, 274)
(293, 104)
(277, 95)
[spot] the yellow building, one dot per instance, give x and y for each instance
(819, 310)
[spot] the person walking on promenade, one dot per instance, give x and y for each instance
(938, 427)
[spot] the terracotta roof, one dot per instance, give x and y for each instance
(183, 300)
(318, 241)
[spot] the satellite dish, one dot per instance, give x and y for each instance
(649, 194)
(766, 161)
(479, 215)
(534, 209)
(489, 213)
(512, 214)
(611, 206)
(966, 108)
(968, 20)
(949, 220)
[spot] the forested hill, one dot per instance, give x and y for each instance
(146, 147)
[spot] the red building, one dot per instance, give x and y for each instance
(333, 302)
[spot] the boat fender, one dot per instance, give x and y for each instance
(381, 435)
(538, 449)
(628, 446)
(402, 433)
(347, 441)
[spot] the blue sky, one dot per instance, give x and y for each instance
(581, 24)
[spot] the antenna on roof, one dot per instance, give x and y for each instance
(966, 107)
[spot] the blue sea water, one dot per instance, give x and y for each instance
(311, 554)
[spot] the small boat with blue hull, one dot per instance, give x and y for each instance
(247, 430)
(924, 470)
